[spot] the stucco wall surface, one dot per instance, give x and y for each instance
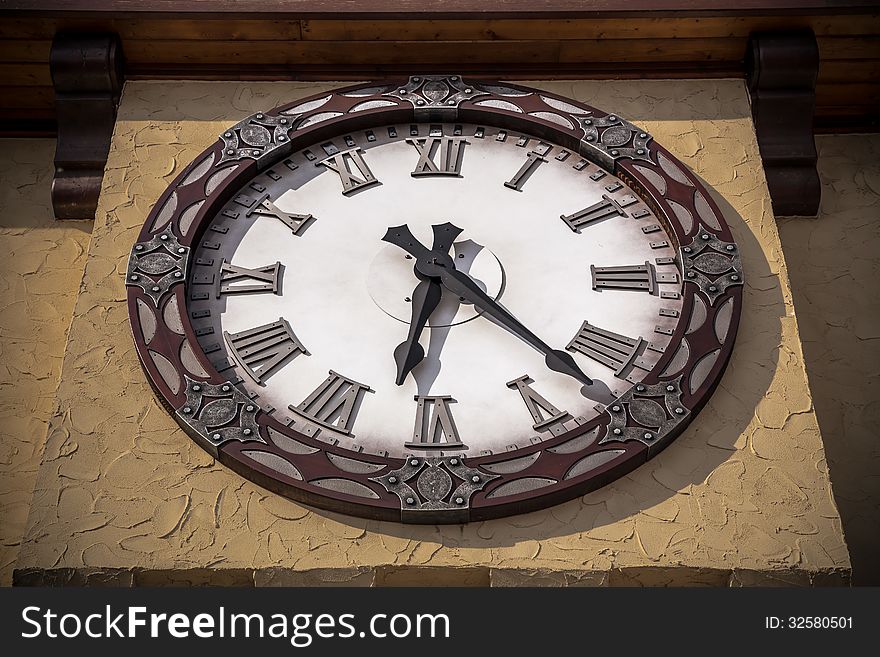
(835, 266)
(743, 497)
(41, 264)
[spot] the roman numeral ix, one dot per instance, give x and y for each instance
(435, 428)
(241, 280)
(259, 351)
(353, 172)
(449, 150)
(334, 403)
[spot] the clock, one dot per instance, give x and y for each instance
(434, 299)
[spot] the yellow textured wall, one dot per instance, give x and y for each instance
(41, 264)
(742, 497)
(835, 269)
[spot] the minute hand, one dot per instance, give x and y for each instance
(463, 285)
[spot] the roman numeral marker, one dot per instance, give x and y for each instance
(232, 279)
(630, 277)
(611, 349)
(259, 351)
(334, 403)
(449, 150)
(533, 161)
(546, 416)
(603, 209)
(352, 179)
(435, 428)
(264, 207)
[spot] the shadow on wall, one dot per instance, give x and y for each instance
(707, 443)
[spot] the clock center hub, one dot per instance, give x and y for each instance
(391, 280)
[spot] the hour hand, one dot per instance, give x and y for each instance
(409, 353)
(402, 236)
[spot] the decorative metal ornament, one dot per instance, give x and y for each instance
(220, 363)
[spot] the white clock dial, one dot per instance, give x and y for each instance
(303, 299)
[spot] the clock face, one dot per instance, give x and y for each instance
(409, 302)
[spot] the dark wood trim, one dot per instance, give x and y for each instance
(782, 68)
(87, 74)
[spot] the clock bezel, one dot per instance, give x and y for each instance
(471, 487)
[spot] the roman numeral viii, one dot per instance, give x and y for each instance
(334, 403)
(435, 428)
(241, 280)
(353, 172)
(449, 150)
(259, 351)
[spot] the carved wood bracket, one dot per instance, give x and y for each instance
(782, 69)
(87, 74)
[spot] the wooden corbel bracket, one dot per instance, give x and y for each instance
(87, 74)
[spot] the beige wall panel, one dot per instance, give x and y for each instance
(41, 264)
(121, 489)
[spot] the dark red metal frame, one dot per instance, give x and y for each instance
(656, 176)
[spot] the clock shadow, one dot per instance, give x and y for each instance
(713, 438)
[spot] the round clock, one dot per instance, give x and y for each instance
(435, 299)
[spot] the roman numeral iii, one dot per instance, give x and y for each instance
(259, 351)
(630, 277)
(241, 280)
(353, 172)
(449, 151)
(334, 403)
(435, 428)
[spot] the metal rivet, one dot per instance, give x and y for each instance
(617, 432)
(590, 138)
(649, 436)
(139, 247)
(164, 238)
(453, 461)
(178, 274)
(401, 91)
(588, 122)
(469, 91)
(418, 79)
(249, 408)
(670, 388)
(282, 138)
(407, 299)
(712, 288)
(642, 135)
(187, 410)
(451, 101)
(615, 408)
(392, 480)
(705, 236)
(687, 249)
(420, 102)
(134, 277)
(259, 116)
(230, 152)
(227, 134)
(225, 388)
(255, 153)
(475, 479)
(181, 250)
(454, 78)
(283, 121)
(679, 410)
(729, 247)
(691, 274)
(734, 277)
(156, 288)
(247, 432)
(640, 388)
(216, 436)
(410, 500)
(615, 152)
(459, 500)
(641, 151)
(612, 118)
(414, 462)
(197, 387)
